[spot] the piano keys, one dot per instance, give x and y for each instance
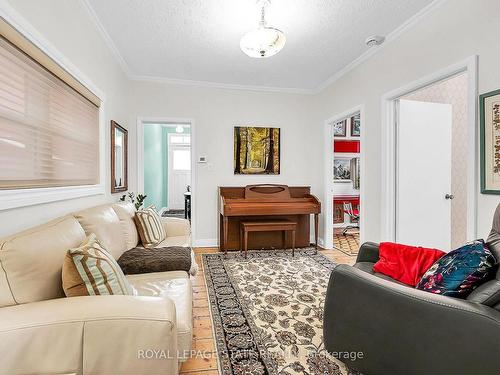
(264, 202)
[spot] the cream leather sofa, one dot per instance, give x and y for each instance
(43, 332)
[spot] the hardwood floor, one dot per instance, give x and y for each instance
(202, 331)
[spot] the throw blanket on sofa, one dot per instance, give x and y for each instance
(141, 260)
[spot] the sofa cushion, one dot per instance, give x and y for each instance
(150, 227)
(32, 260)
(176, 286)
(126, 213)
(405, 263)
(142, 260)
(460, 271)
(89, 270)
(184, 241)
(105, 224)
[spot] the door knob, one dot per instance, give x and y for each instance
(449, 196)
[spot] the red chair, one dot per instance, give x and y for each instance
(353, 215)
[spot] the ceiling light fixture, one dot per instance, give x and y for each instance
(265, 41)
(179, 129)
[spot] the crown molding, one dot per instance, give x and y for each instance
(105, 36)
(396, 33)
(227, 86)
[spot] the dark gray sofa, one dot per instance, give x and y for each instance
(402, 330)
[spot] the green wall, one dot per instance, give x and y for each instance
(156, 163)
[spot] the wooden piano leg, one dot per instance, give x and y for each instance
(293, 243)
(225, 222)
(316, 225)
(245, 242)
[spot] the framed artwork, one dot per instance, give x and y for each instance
(356, 125)
(339, 128)
(342, 169)
(490, 142)
(256, 150)
(119, 160)
(338, 213)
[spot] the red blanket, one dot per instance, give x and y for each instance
(405, 263)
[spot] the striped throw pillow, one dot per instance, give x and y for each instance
(150, 227)
(90, 270)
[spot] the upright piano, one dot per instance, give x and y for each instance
(266, 201)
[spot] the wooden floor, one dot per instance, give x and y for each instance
(202, 332)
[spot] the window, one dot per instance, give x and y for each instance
(181, 159)
(180, 139)
(49, 131)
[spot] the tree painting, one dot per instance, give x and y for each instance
(256, 150)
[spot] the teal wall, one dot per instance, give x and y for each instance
(156, 163)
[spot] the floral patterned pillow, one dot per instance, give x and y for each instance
(460, 271)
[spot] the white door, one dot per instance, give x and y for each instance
(179, 169)
(423, 170)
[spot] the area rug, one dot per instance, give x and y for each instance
(267, 312)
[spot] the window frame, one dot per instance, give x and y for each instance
(15, 198)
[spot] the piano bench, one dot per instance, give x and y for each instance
(267, 226)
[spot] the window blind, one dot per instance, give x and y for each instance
(49, 132)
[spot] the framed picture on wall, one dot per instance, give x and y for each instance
(490, 142)
(339, 128)
(356, 125)
(119, 160)
(256, 150)
(342, 170)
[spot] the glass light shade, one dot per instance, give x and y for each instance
(179, 129)
(263, 42)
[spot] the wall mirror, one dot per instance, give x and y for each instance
(119, 162)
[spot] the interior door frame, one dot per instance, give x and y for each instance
(327, 239)
(141, 121)
(388, 172)
(170, 171)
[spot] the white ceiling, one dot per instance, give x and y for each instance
(198, 40)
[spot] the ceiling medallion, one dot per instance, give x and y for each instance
(264, 41)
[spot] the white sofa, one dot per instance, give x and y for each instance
(42, 331)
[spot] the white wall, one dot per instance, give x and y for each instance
(451, 33)
(69, 30)
(215, 112)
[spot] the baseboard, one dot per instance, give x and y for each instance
(209, 242)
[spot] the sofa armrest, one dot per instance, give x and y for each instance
(401, 330)
(487, 294)
(89, 335)
(368, 252)
(175, 226)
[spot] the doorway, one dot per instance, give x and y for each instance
(179, 171)
(165, 165)
(343, 229)
(429, 168)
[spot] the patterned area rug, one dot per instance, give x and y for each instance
(348, 244)
(173, 213)
(267, 312)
